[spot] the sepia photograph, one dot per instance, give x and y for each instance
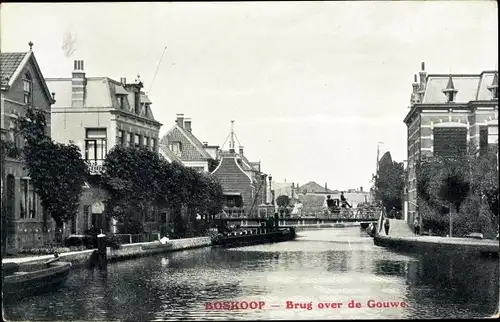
(292, 160)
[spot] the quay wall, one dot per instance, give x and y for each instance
(85, 257)
(143, 249)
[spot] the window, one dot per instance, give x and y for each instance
(483, 140)
(145, 141)
(86, 217)
(31, 201)
(121, 101)
(120, 140)
(450, 141)
(153, 144)
(95, 144)
(23, 201)
(176, 147)
(131, 139)
(28, 88)
(137, 140)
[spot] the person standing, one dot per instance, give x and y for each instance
(386, 226)
(416, 226)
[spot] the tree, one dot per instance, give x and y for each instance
(283, 201)
(56, 170)
(133, 178)
(389, 183)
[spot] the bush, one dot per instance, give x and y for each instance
(114, 241)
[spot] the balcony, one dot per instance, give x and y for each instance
(95, 166)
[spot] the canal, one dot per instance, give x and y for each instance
(322, 266)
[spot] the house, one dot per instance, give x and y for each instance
(98, 113)
(244, 185)
(181, 142)
(313, 187)
(446, 113)
(25, 224)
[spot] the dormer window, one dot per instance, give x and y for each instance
(494, 87)
(28, 88)
(450, 91)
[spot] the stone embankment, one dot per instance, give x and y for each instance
(84, 258)
(400, 237)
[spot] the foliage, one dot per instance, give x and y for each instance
(467, 184)
(212, 165)
(283, 201)
(8, 148)
(133, 178)
(57, 171)
(389, 183)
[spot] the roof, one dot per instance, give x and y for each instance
(231, 175)
(312, 186)
(469, 87)
(197, 151)
(100, 92)
(11, 66)
(168, 154)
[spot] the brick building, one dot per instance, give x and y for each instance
(180, 144)
(98, 113)
(26, 224)
(447, 112)
(245, 186)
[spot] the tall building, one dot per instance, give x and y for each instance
(447, 112)
(25, 224)
(98, 113)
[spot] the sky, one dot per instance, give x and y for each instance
(312, 86)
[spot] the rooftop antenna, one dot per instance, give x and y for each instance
(231, 136)
(157, 68)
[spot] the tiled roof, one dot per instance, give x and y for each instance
(230, 175)
(192, 148)
(168, 154)
(312, 186)
(9, 62)
(469, 88)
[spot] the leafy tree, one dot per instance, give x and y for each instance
(283, 202)
(133, 178)
(57, 171)
(389, 183)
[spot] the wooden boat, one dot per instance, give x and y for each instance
(17, 282)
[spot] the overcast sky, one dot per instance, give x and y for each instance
(312, 86)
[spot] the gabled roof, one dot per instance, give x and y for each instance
(11, 66)
(313, 187)
(168, 154)
(198, 152)
(231, 174)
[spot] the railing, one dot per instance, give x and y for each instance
(95, 166)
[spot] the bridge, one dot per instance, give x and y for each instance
(313, 222)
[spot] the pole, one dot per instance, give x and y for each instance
(4, 200)
(451, 222)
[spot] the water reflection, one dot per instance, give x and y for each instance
(327, 265)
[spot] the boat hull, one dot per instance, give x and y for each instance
(28, 282)
(247, 240)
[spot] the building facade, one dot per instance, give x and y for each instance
(181, 142)
(25, 224)
(447, 112)
(245, 187)
(96, 114)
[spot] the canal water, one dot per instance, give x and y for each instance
(323, 266)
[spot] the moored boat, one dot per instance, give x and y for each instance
(24, 282)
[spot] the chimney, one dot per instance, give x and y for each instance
(326, 187)
(205, 144)
(423, 80)
(241, 149)
(187, 124)
(123, 81)
(78, 83)
(361, 189)
(180, 120)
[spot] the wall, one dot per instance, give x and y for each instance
(27, 232)
(143, 249)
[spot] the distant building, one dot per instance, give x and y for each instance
(26, 223)
(313, 187)
(447, 111)
(181, 142)
(244, 185)
(98, 113)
